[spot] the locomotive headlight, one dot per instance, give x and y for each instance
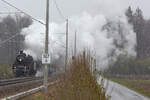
(20, 60)
(14, 67)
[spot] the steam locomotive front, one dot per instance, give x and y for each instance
(24, 65)
(20, 66)
(20, 58)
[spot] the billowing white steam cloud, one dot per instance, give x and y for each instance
(106, 36)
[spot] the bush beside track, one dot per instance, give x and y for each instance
(5, 72)
(78, 83)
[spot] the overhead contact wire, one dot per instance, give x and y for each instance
(22, 12)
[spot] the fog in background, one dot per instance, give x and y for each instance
(93, 32)
(36, 8)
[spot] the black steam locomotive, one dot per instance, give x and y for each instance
(24, 65)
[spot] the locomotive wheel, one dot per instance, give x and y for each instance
(31, 72)
(26, 74)
(17, 74)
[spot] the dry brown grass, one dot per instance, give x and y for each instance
(78, 83)
(5, 72)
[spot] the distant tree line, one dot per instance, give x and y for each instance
(139, 65)
(125, 65)
(12, 25)
(141, 27)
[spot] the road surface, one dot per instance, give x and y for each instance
(118, 92)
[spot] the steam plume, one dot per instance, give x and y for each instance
(104, 34)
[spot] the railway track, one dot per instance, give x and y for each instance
(18, 80)
(11, 87)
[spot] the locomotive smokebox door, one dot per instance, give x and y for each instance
(46, 59)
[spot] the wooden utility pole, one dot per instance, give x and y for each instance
(66, 57)
(75, 44)
(46, 48)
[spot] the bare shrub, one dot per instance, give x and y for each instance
(5, 72)
(79, 82)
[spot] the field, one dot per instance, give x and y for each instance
(140, 86)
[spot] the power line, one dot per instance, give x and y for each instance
(22, 12)
(62, 45)
(7, 40)
(56, 42)
(3, 42)
(59, 10)
(9, 12)
(5, 46)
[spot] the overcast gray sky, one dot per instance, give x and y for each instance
(36, 8)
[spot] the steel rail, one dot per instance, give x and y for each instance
(18, 80)
(29, 92)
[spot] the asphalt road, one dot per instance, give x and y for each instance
(118, 92)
